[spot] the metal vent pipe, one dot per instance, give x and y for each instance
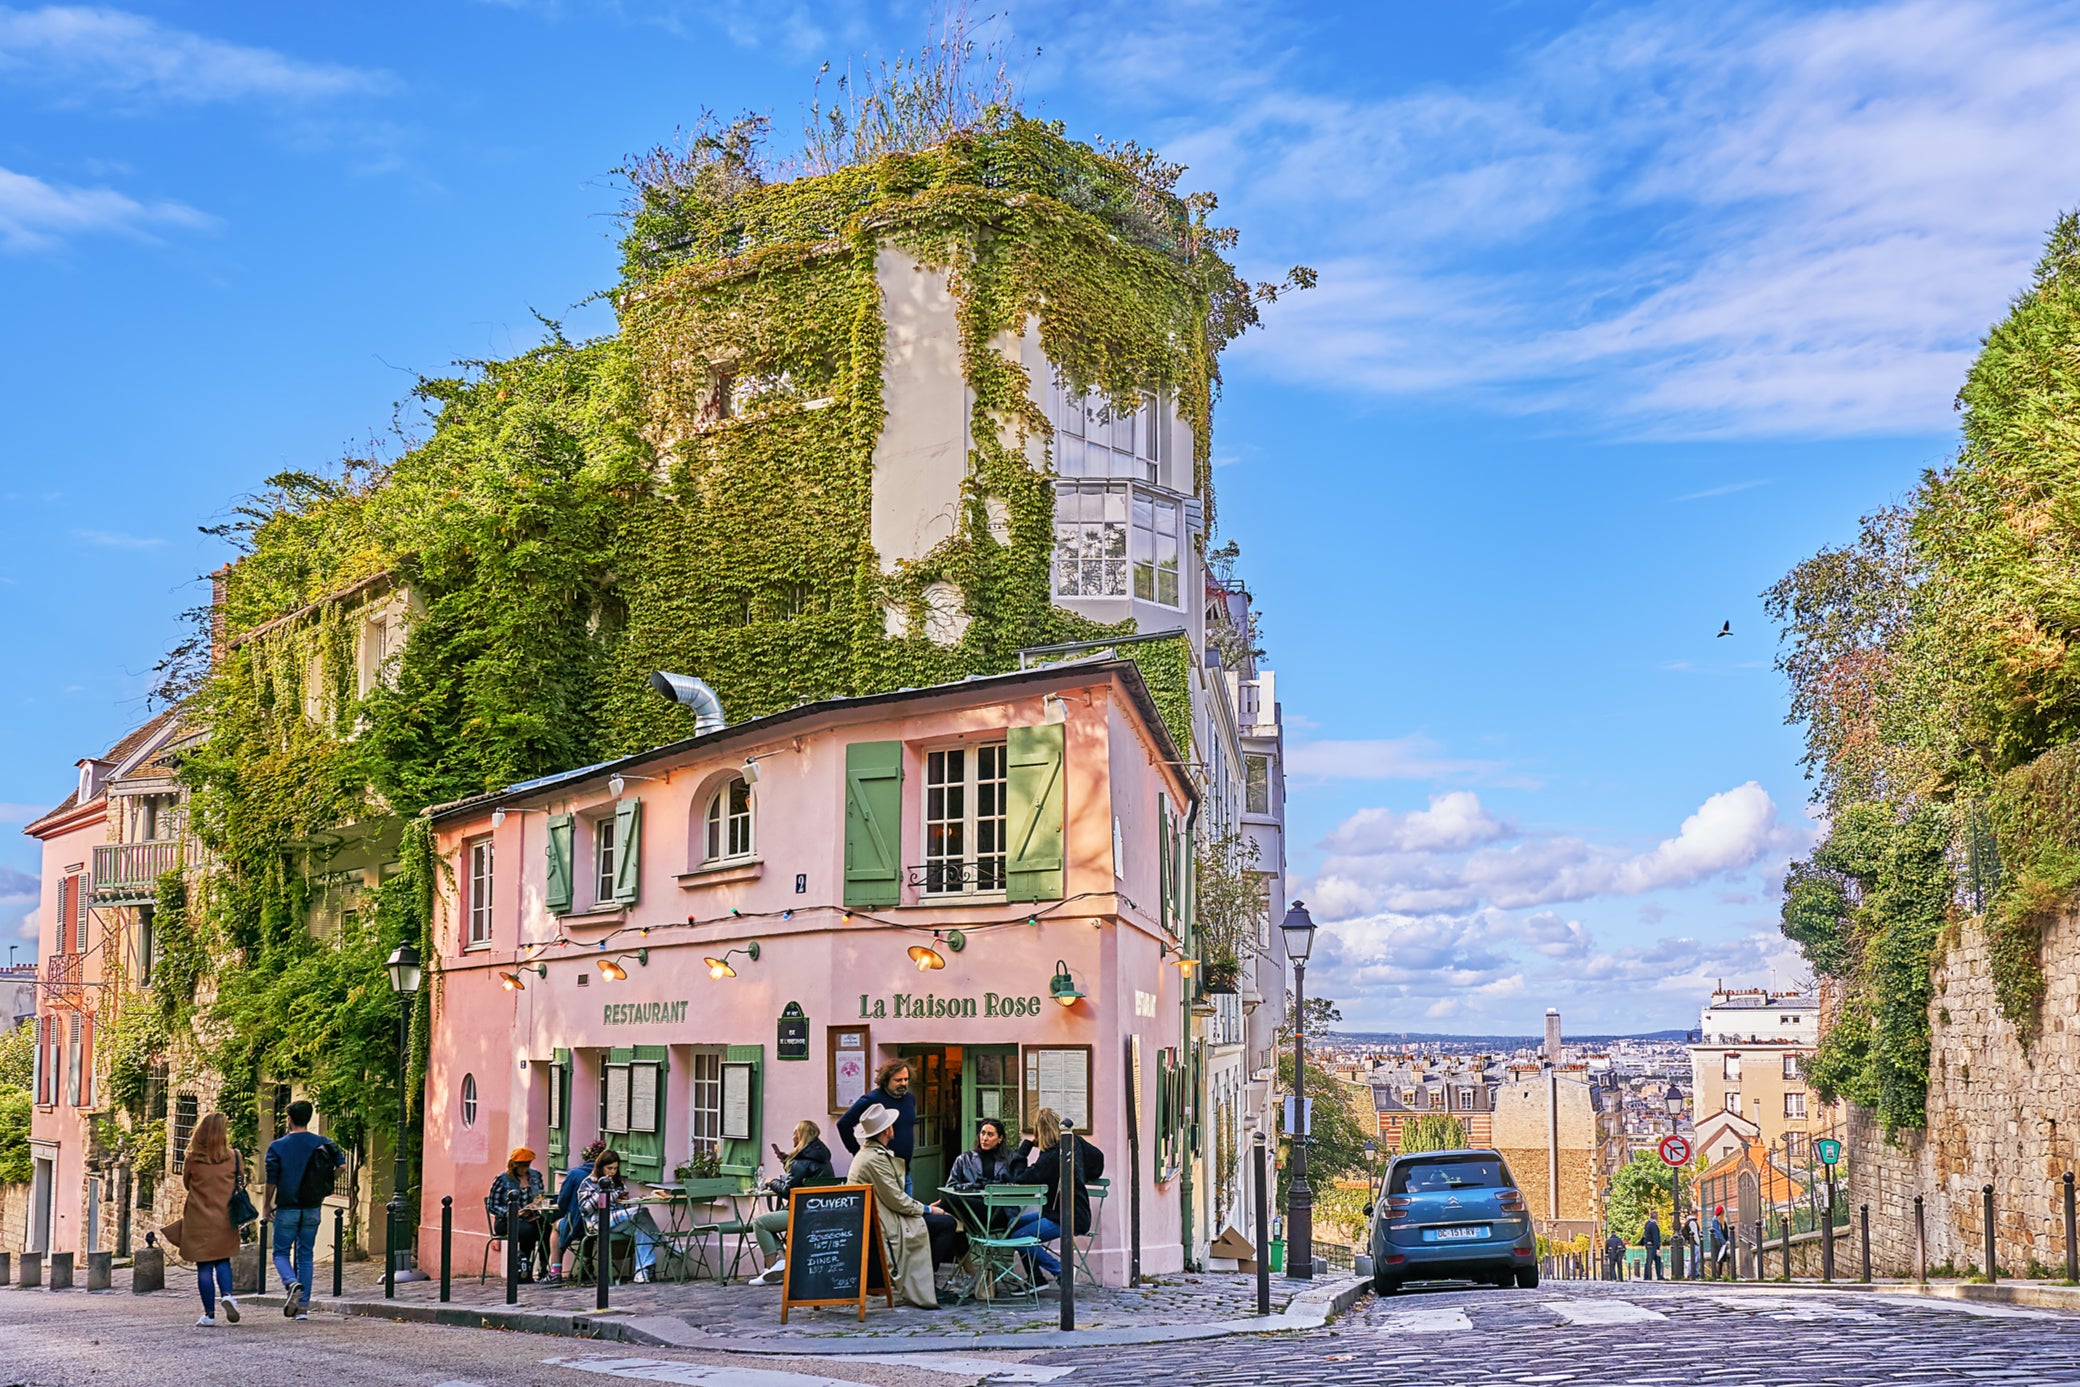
(693, 693)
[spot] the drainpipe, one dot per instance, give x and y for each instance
(1194, 1074)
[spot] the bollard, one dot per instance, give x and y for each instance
(1067, 1215)
(1993, 1271)
(390, 1249)
(447, 1239)
(2072, 1247)
(512, 1251)
(6, 1268)
(61, 1271)
(1264, 1230)
(1761, 1263)
(1920, 1243)
(339, 1251)
(260, 1242)
(148, 1269)
(1866, 1217)
(32, 1270)
(1787, 1249)
(100, 1270)
(603, 1249)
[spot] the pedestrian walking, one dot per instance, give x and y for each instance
(1650, 1239)
(301, 1169)
(207, 1232)
(1722, 1256)
(1614, 1255)
(1692, 1268)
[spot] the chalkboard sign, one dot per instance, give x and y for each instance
(833, 1249)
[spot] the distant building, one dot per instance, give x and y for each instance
(17, 995)
(1750, 1059)
(1399, 1099)
(1559, 1128)
(1553, 1054)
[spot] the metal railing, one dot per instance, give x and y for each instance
(64, 977)
(131, 871)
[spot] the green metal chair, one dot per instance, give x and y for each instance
(1000, 1258)
(725, 1189)
(1097, 1189)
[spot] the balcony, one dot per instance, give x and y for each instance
(64, 979)
(128, 873)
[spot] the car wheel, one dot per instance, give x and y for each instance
(1383, 1284)
(1527, 1278)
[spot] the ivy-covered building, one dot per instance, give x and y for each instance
(936, 414)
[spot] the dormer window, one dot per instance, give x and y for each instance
(727, 827)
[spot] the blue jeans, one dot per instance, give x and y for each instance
(212, 1279)
(296, 1230)
(1033, 1223)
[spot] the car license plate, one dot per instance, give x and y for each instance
(1453, 1235)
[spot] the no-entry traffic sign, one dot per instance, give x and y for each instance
(1675, 1151)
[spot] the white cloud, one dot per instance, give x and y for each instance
(1745, 220)
(1728, 832)
(1383, 758)
(19, 891)
(35, 215)
(131, 57)
(116, 539)
(1456, 819)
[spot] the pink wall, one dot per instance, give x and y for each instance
(1104, 930)
(67, 850)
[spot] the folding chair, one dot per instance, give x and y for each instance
(1001, 1258)
(1097, 1189)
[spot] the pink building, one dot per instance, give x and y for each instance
(693, 948)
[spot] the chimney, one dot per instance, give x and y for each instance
(1552, 1035)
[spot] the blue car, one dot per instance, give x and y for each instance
(1451, 1216)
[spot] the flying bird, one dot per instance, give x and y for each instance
(1725, 629)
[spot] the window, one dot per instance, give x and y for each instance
(706, 1114)
(1732, 1072)
(1158, 523)
(1093, 440)
(1256, 772)
(603, 860)
(964, 820)
(146, 948)
(480, 880)
(186, 1112)
(72, 1057)
(1795, 1105)
(469, 1100)
(1466, 1100)
(1791, 1066)
(729, 822)
(1098, 529)
(1733, 1102)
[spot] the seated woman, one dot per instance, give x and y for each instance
(522, 1179)
(564, 1231)
(1039, 1162)
(987, 1163)
(808, 1164)
(605, 1186)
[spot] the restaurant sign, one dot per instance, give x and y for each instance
(642, 1013)
(929, 1006)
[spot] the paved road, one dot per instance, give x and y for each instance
(1570, 1334)
(1594, 1334)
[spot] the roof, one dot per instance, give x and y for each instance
(353, 589)
(128, 747)
(756, 729)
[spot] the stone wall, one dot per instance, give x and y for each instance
(1998, 1114)
(14, 1217)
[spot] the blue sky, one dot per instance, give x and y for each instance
(1622, 311)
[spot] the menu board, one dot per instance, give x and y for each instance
(833, 1249)
(617, 1098)
(642, 1097)
(736, 1102)
(1059, 1077)
(848, 1073)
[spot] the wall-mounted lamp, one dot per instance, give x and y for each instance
(498, 815)
(1054, 710)
(511, 981)
(928, 958)
(1063, 988)
(719, 968)
(612, 968)
(750, 771)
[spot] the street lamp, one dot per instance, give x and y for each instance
(1298, 930)
(405, 973)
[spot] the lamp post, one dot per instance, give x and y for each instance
(1673, 1099)
(405, 973)
(1298, 929)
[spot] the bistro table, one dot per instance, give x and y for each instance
(686, 1232)
(986, 1215)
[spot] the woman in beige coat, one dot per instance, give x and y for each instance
(204, 1232)
(906, 1244)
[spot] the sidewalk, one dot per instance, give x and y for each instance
(746, 1319)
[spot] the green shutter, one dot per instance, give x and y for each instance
(873, 823)
(628, 846)
(1163, 859)
(1187, 887)
(1034, 813)
(644, 1151)
(559, 850)
(741, 1158)
(559, 1115)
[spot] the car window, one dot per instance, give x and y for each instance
(1441, 1177)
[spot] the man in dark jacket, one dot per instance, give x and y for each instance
(1650, 1239)
(892, 1091)
(1614, 1256)
(301, 1169)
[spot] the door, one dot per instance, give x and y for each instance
(989, 1088)
(934, 1079)
(40, 1193)
(1750, 1209)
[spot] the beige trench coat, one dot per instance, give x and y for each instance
(906, 1244)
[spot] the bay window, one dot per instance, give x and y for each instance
(1107, 533)
(1093, 439)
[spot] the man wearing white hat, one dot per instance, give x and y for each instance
(905, 1237)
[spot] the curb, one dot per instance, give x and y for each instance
(1310, 1309)
(2033, 1294)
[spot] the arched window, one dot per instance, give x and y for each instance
(469, 1100)
(729, 822)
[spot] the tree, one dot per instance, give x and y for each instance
(1336, 1138)
(1433, 1132)
(1230, 906)
(1642, 1183)
(18, 1056)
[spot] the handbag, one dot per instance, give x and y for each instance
(241, 1206)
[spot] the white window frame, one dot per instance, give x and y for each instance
(1155, 554)
(1791, 1068)
(1795, 1101)
(1733, 1102)
(1254, 765)
(469, 1100)
(966, 830)
(1119, 539)
(704, 1106)
(1730, 1068)
(729, 834)
(482, 858)
(1090, 440)
(605, 851)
